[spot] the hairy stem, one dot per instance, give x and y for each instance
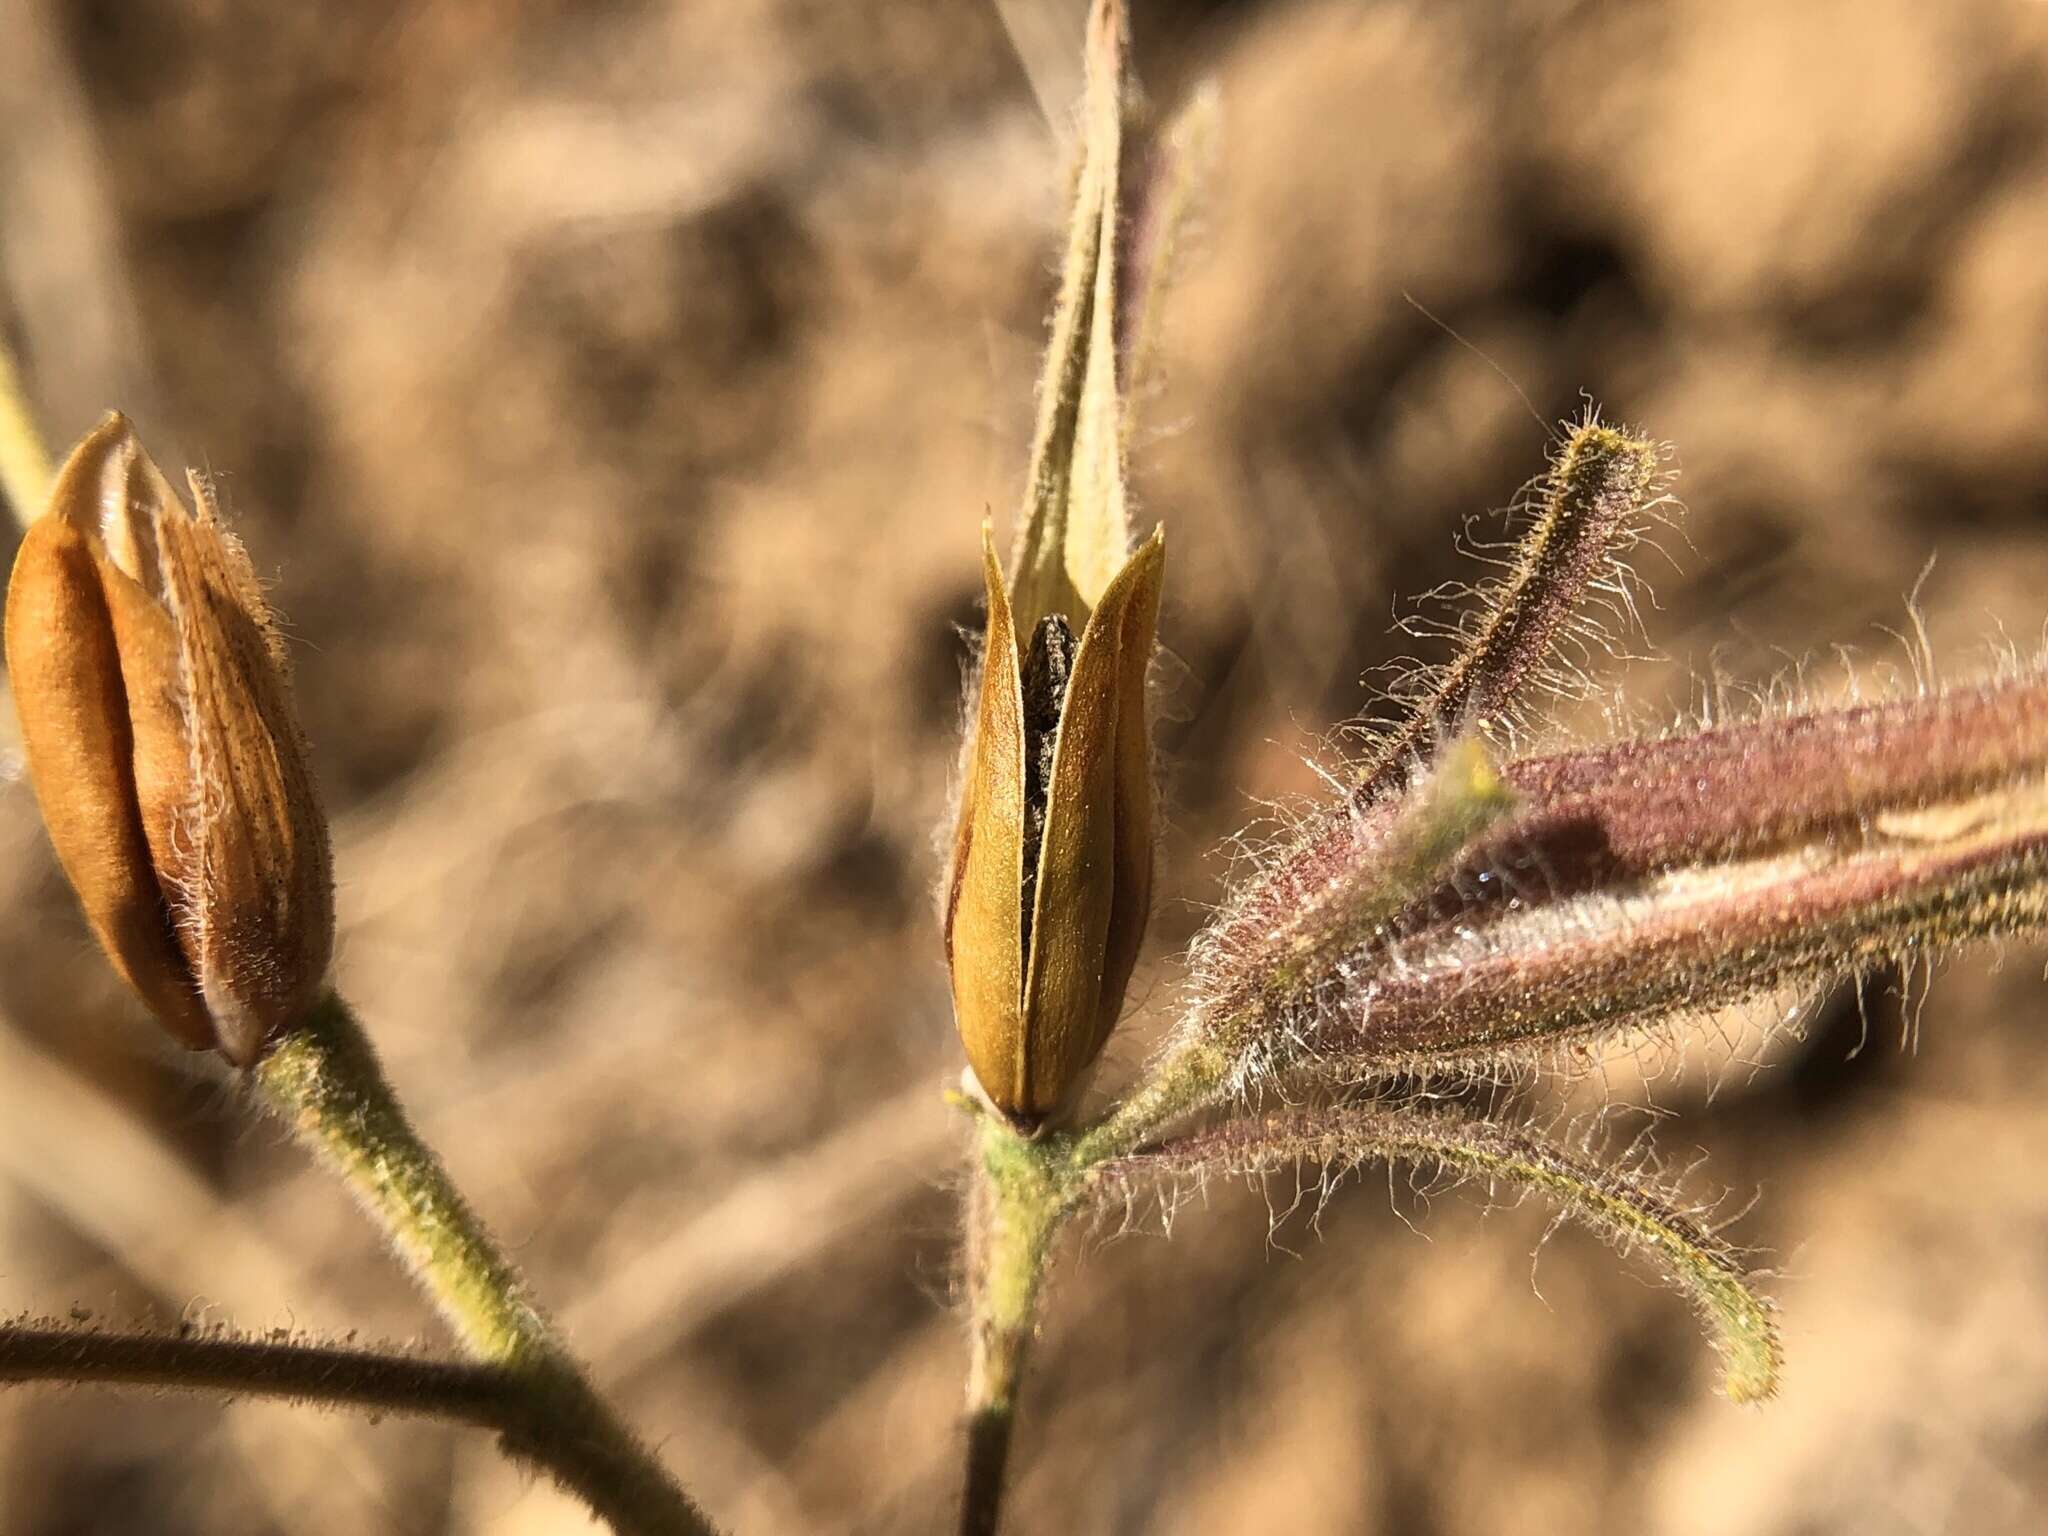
(1024, 1191)
(1015, 1210)
(1594, 495)
(1621, 1205)
(1188, 1076)
(324, 1080)
(456, 1391)
(540, 1417)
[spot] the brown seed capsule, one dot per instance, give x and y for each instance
(156, 713)
(1051, 877)
(1052, 864)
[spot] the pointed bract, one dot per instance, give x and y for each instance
(1075, 532)
(1098, 844)
(984, 920)
(66, 669)
(256, 884)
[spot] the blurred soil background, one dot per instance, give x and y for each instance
(613, 393)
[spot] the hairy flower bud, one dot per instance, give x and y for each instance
(155, 709)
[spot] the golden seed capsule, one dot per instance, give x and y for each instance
(156, 714)
(1051, 878)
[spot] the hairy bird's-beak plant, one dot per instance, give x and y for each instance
(1452, 910)
(1455, 909)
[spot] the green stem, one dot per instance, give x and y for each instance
(1017, 1204)
(1185, 1079)
(324, 1081)
(1024, 1190)
(1023, 1193)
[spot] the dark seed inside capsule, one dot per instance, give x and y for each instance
(1048, 664)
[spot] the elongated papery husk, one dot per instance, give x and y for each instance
(68, 682)
(1033, 1023)
(112, 489)
(257, 896)
(155, 710)
(984, 917)
(1098, 838)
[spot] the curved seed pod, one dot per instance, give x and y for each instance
(1042, 933)
(156, 714)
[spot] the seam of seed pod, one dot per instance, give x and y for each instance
(1614, 968)
(211, 790)
(948, 845)
(1748, 786)
(984, 923)
(238, 573)
(1532, 630)
(130, 661)
(1341, 874)
(1086, 921)
(1134, 790)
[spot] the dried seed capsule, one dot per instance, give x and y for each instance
(155, 709)
(1052, 863)
(1051, 878)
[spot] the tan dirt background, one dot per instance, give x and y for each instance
(613, 392)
